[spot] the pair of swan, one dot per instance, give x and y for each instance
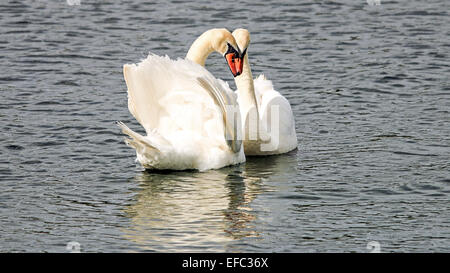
(194, 120)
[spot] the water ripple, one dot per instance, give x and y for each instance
(367, 87)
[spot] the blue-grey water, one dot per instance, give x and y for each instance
(370, 91)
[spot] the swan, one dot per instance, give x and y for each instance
(184, 109)
(267, 118)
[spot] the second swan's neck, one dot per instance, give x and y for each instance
(246, 89)
(200, 49)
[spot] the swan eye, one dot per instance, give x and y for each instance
(231, 49)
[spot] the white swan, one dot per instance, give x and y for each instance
(267, 118)
(184, 109)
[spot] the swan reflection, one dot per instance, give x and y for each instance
(200, 211)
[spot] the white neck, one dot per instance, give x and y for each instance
(253, 129)
(200, 49)
(246, 89)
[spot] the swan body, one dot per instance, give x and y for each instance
(183, 109)
(267, 118)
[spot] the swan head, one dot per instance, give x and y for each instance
(242, 37)
(224, 43)
(219, 40)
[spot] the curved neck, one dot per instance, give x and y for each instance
(200, 49)
(246, 89)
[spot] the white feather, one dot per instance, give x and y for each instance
(185, 126)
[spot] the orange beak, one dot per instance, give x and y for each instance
(239, 64)
(231, 60)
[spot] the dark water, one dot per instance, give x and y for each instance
(369, 86)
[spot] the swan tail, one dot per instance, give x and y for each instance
(142, 145)
(262, 84)
(262, 77)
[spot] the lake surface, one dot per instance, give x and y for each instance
(369, 87)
